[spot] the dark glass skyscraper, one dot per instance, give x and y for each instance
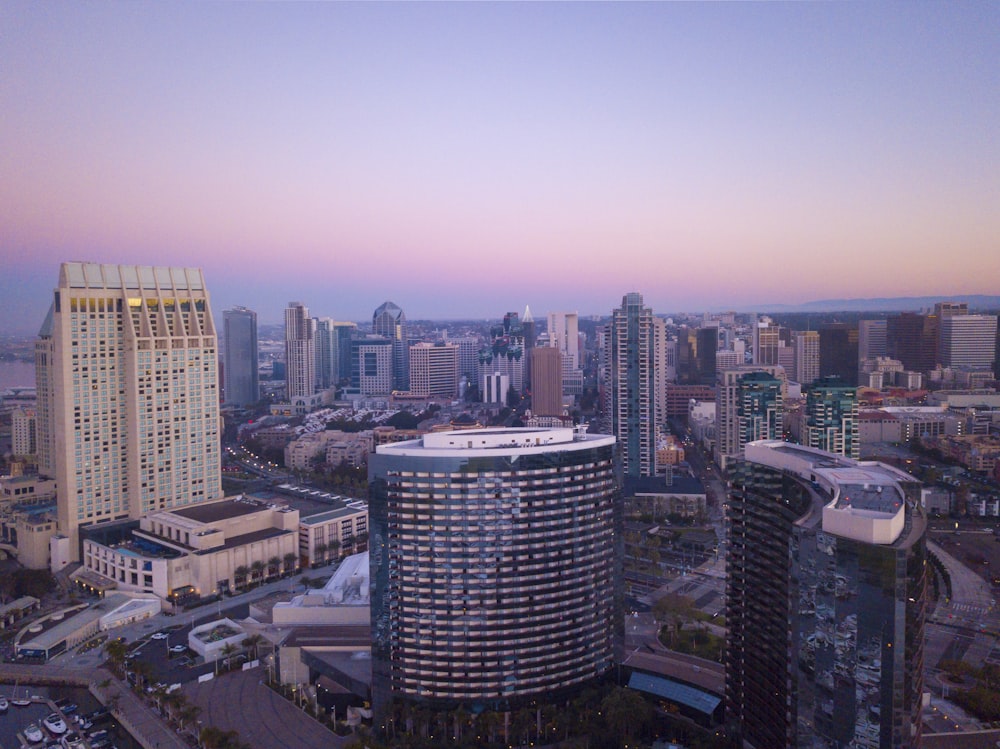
(492, 565)
(240, 362)
(826, 594)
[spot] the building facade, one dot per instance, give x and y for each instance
(389, 322)
(372, 365)
(242, 382)
(806, 346)
(127, 371)
(836, 550)
(300, 352)
(434, 370)
(547, 382)
(968, 341)
(629, 407)
(492, 565)
(749, 407)
(831, 418)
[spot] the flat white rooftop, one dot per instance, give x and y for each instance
(497, 441)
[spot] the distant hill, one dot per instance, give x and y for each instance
(977, 302)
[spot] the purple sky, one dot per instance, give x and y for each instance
(463, 159)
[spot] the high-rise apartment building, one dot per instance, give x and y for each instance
(968, 341)
(749, 406)
(766, 340)
(23, 434)
(492, 567)
(240, 352)
(629, 397)
(664, 368)
(333, 351)
(546, 390)
(300, 352)
(504, 353)
(806, 345)
(389, 321)
(831, 417)
(434, 370)
(564, 335)
(128, 393)
(825, 601)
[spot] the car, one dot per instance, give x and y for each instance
(159, 635)
(178, 648)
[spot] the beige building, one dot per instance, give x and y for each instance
(22, 432)
(434, 370)
(128, 396)
(546, 381)
(197, 550)
(334, 533)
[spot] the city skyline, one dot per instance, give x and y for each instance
(461, 159)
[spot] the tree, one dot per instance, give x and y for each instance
(229, 650)
(626, 713)
(251, 643)
(256, 570)
(291, 559)
(273, 566)
(240, 575)
(116, 651)
(321, 549)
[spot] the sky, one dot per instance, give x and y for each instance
(465, 159)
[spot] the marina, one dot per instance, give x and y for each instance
(58, 717)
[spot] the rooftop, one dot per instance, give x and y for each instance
(213, 512)
(497, 442)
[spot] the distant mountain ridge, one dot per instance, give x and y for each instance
(880, 304)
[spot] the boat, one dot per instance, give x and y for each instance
(83, 722)
(73, 741)
(4, 704)
(23, 701)
(55, 723)
(33, 734)
(97, 735)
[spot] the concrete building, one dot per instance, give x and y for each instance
(345, 599)
(372, 365)
(240, 352)
(913, 339)
(749, 407)
(434, 370)
(333, 351)
(300, 352)
(389, 322)
(127, 371)
(495, 387)
(968, 341)
(836, 549)
(838, 352)
(492, 564)
(547, 381)
(504, 352)
(195, 551)
(629, 407)
(872, 341)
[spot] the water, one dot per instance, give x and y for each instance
(19, 717)
(17, 374)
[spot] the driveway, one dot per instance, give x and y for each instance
(239, 701)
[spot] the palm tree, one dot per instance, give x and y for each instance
(251, 643)
(256, 570)
(116, 649)
(240, 575)
(273, 566)
(334, 546)
(229, 650)
(321, 549)
(290, 562)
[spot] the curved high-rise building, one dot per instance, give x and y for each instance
(826, 596)
(493, 566)
(242, 383)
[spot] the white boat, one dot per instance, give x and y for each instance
(4, 704)
(33, 734)
(22, 701)
(54, 723)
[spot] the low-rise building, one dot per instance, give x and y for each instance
(333, 533)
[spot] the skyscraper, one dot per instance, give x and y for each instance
(434, 369)
(913, 340)
(300, 352)
(547, 391)
(389, 321)
(127, 373)
(564, 335)
(968, 341)
(872, 339)
(629, 399)
(240, 331)
(838, 352)
(749, 406)
(371, 365)
(492, 567)
(831, 417)
(806, 356)
(825, 600)
(504, 352)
